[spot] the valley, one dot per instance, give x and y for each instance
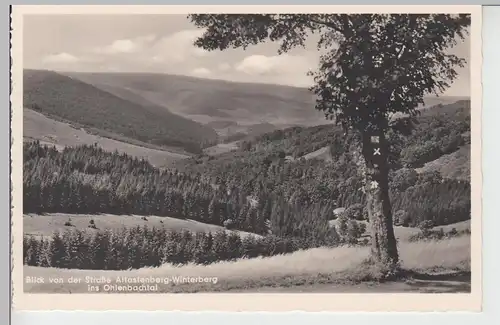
(162, 174)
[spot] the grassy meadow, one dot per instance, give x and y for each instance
(37, 126)
(46, 224)
(434, 266)
(431, 266)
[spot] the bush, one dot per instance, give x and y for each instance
(68, 223)
(355, 212)
(403, 178)
(229, 224)
(426, 225)
(349, 230)
(440, 234)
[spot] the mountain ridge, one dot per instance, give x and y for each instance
(72, 100)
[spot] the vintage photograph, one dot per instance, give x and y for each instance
(173, 153)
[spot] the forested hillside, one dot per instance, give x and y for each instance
(254, 188)
(208, 100)
(266, 187)
(83, 105)
(272, 164)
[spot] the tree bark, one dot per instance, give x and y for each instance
(376, 174)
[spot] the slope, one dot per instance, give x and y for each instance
(455, 165)
(45, 225)
(210, 100)
(207, 100)
(74, 101)
(37, 126)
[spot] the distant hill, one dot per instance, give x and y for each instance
(207, 100)
(438, 139)
(240, 132)
(235, 110)
(123, 117)
(435, 102)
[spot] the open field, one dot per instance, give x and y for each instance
(45, 225)
(37, 126)
(435, 266)
(322, 154)
(404, 233)
(221, 148)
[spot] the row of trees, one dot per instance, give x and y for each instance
(149, 247)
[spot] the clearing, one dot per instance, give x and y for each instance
(221, 148)
(46, 224)
(321, 154)
(404, 233)
(455, 165)
(37, 126)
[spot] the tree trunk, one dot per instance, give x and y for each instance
(376, 174)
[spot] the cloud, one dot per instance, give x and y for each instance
(274, 65)
(200, 52)
(151, 52)
(60, 58)
(178, 47)
(125, 46)
(201, 72)
(285, 69)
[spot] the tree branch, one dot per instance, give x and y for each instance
(327, 24)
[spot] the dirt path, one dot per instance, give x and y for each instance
(439, 283)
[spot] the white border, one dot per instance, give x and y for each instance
(247, 302)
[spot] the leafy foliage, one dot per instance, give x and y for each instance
(373, 65)
(260, 166)
(429, 234)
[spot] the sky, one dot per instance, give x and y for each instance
(164, 44)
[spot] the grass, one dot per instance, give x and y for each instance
(404, 233)
(336, 269)
(37, 126)
(45, 225)
(221, 148)
(322, 154)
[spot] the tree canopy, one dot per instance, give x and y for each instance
(372, 65)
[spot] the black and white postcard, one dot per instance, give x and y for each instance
(246, 158)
